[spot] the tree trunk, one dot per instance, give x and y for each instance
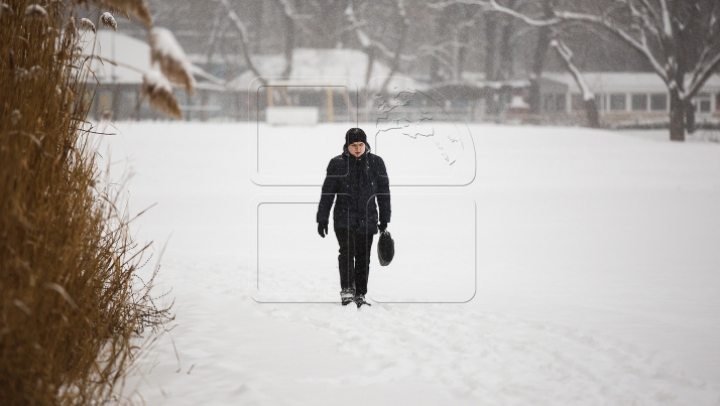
(543, 43)
(505, 70)
(591, 110)
(255, 35)
(462, 52)
(435, 70)
(395, 64)
(689, 117)
(289, 46)
(491, 104)
(506, 64)
(289, 43)
(677, 117)
(534, 96)
(490, 45)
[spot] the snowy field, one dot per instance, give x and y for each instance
(575, 267)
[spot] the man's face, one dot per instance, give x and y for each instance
(357, 148)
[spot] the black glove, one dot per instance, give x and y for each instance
(323, 229)
(382, 227)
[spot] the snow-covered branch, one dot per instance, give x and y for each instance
(666, 23)
(588, 96)
(650, 10)
(678, 39)
(493, 5)
(288, 9)
(642, 14)
(566, 55)
(212, 38)
(367, 42)
(710, 45)
(357, 26)
(405, 26)
(702, 74)
(561, 17)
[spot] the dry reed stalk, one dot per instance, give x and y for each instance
(158, 91)
(70, 303)
(35, 11)
(167, 53)
(137, 8)
(3, 9)
(108, 20)
(87, 25)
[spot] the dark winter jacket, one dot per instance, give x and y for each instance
(357, 182)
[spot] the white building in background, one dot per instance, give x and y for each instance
(118, 87)
(625, 96)
(335, 82)
(337, 66)
(332, 85)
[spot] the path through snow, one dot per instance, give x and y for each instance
(596, 276)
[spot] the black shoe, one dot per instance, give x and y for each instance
(347, 296)
(360, 300)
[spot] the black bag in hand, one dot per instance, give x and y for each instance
(385, 248)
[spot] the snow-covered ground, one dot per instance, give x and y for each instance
(578, 267)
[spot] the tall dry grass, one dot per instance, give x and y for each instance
(70, 304)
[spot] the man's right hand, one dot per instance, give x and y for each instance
(323, 229)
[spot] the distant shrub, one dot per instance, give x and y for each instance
(70, 302)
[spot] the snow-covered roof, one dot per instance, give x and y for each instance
(338, 67)
(133, 57)
(623, 82)
(117, 47)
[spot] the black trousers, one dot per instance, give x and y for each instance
(354, 259)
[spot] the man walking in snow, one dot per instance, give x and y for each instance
(357, 177)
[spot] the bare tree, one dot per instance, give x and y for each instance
(679, 39)
(538, 62)
(498, 35)
(498, 53)
(329, 21)
(293, 22)
(404, 27)
(288, 14)
(369, 46)
(506, 66)
(242, 39)
(375, 47)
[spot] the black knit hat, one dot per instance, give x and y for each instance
(354, 135)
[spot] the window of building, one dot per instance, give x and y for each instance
(600, 101)
(639, 102)
(704, 106)
(554, 102)
(548, 102)
(702, 103)
(617, 101)
(658, 101)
